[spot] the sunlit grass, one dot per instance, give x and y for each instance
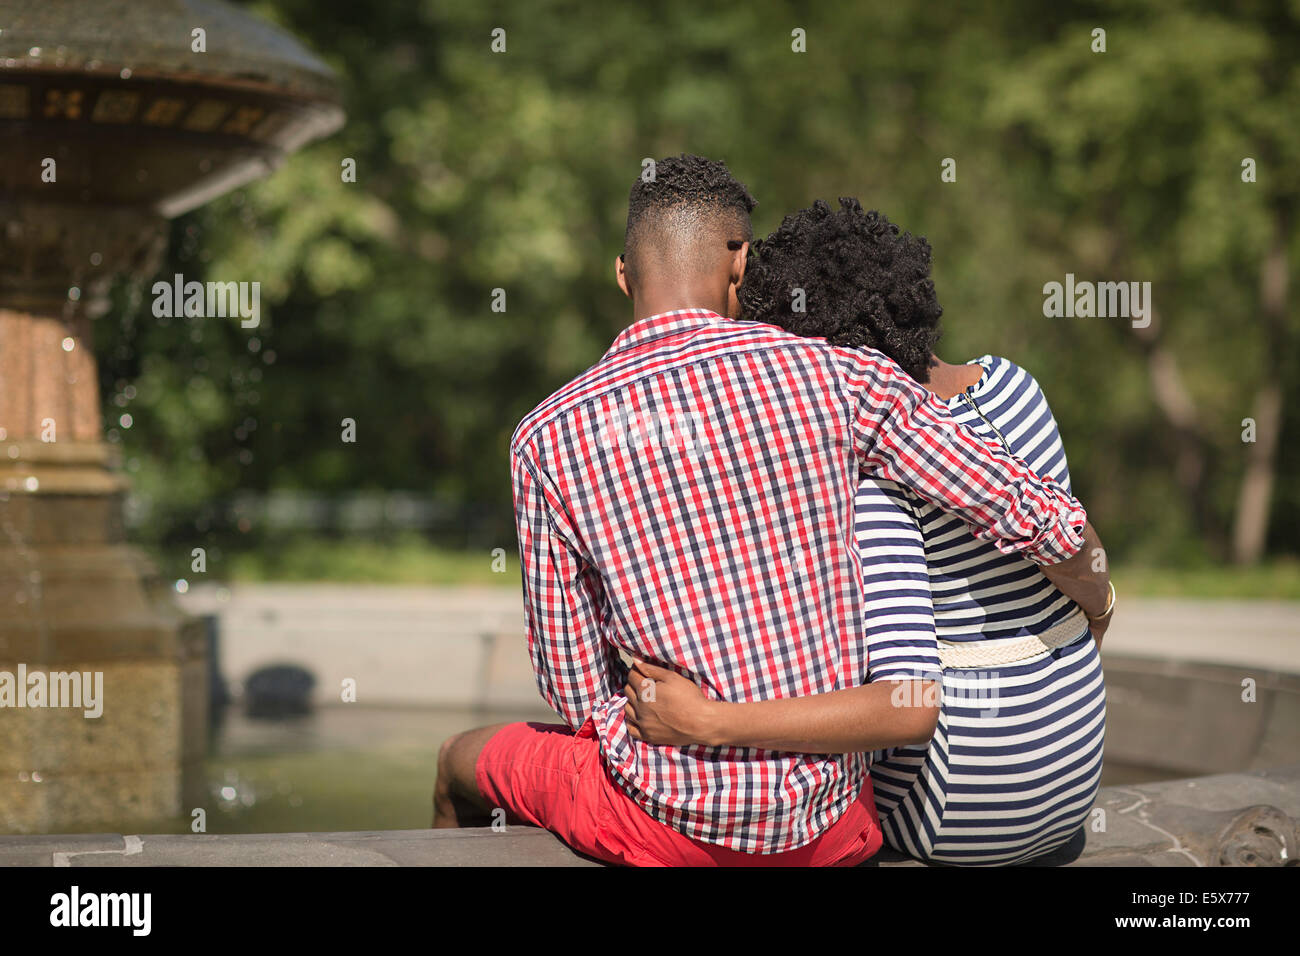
(415, 561)
(1277, 580)
(409, 561)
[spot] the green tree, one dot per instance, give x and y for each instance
(479, 171)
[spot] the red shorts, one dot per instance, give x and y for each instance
(546, 775)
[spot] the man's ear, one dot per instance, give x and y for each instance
(620, 275)
(739, 260)
(736, 275)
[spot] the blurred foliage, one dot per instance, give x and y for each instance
(479, 171)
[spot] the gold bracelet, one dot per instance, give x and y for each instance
(1110, 606)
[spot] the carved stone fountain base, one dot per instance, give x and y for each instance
(75, 598)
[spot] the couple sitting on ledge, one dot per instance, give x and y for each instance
(854, 602)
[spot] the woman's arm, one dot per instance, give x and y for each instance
(1085, 580)
(666, 708)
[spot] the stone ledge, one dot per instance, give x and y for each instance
(518, 846)
(1240, 819)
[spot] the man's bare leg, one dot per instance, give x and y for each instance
(456, 800)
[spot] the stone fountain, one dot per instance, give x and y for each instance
(115, 116)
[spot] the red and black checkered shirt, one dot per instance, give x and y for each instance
(689, 499)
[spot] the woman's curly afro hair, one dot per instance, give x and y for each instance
(866, 284)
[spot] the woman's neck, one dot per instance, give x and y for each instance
(948, 380)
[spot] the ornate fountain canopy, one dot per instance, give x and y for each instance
(157, 103)
(118, 114)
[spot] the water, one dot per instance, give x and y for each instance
(354, 768)
(340, 768)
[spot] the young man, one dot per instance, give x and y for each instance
(688, 500)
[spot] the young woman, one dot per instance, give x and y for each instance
(985, 708)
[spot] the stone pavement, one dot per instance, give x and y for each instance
(464, 647)
(1263, 634)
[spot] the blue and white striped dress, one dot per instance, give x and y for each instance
(1015, 761)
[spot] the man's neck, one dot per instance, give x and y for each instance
(657, 301)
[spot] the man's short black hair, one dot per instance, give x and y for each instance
(866, 284)
(691, 203)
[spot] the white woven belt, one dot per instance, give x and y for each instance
(1012, 650)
